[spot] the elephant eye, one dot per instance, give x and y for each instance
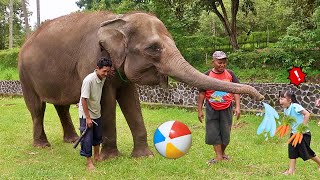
(154, 49)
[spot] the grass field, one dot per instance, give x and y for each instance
(252, 156)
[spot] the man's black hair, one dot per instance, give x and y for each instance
(104, 61)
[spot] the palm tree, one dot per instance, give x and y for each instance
(11, 24)
(38, 13)
(25, 14)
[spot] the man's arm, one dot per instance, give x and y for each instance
(236, 96)
(237, 109)
(201, 97)
(86, 112)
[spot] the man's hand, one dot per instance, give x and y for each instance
(89, 122)
(200, 116)
(237, 112)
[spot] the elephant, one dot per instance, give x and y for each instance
(54, 60)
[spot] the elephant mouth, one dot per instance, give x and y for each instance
(150, 76)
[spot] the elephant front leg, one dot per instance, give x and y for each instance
(128, 100)
(109, 147)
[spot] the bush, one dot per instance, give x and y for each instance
(276, 58)
(200, 41)
(9, 58)
(196, 49)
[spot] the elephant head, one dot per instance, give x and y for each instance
(141, 47)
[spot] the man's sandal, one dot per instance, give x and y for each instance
(212, 161)
(226, 157)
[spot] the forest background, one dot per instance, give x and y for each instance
(263, 38)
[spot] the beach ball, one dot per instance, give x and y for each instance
(172, 139)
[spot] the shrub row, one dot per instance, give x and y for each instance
(276, 58)
(271, 57)
(9, 58)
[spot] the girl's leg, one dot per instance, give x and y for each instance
(292, 167)
(317, 160)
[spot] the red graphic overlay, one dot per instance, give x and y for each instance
(296, 76)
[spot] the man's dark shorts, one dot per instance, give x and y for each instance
(218, 125)
(93, 137)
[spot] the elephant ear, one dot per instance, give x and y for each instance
(113, 40)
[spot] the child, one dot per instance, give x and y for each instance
(291, 108)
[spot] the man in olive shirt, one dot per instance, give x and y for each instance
(90, 111)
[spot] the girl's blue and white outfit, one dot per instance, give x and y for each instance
(302, 150)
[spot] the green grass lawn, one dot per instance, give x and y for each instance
(252, 156)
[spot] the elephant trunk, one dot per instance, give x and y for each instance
(182, 71)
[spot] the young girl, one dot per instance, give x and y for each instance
(291, 108)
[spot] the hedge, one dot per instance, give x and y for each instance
(9, 58)
(271, 57)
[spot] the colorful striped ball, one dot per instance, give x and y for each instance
(172, 139)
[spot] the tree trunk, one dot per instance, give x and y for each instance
(234, 41)
(25, 14)
(38, 13)
(230, 27)
(11, 24)
(234, 12)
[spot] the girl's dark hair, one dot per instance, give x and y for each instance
(288, 94)
(104, 62)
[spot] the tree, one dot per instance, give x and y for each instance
(11, 24)
(38, 13)
(180, 16)
(25, 15)
(17, 28)
(229, 25)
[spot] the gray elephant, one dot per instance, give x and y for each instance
(55, 59)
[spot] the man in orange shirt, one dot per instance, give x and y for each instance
(219, 108)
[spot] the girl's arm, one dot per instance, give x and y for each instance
(306, 115)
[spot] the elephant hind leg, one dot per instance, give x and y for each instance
(69, 133)
(37, 109)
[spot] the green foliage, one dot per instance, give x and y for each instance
(8, 58)
(276, 58)
(18, 33)
(197, 48)
(302, 128)
(299, 37)
(180, 16)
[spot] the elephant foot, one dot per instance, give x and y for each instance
(142, 152)
(41, 144)
(109, 154)
(70, 138)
